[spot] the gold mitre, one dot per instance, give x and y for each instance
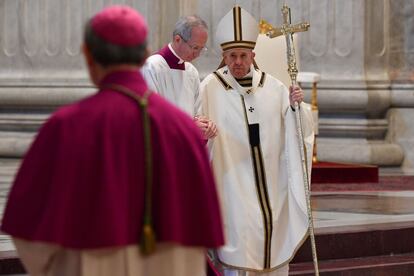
(237, 29)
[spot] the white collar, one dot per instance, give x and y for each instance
(250, 74)
(180, 60)
(231, 81)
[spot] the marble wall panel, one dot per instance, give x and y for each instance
(40, 39)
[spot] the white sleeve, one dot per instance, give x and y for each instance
(197, 95)
(150, 75)
(203, 110)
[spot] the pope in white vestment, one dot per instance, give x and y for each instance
(255, 157)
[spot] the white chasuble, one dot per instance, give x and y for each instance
(257, 166)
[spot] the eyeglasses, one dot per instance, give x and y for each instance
(195, 48)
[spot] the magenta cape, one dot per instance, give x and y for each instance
(81, 184)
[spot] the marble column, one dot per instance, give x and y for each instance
(349, 45)
(401, 73)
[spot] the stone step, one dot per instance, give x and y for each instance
(361, 244)
(10, 263)
(387, 265)
(360, 233)
(385, 182)
(329, 172)
(348, 225)
(372, 202)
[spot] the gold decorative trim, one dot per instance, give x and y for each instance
(262, 194)
(239, 24)
(222, 81)
(238, 44)
(270, 269)
(264, 197)
(234, 24)
(248, 82)
(262, 79)
(148, 237)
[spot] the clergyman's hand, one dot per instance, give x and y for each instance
(208, 128)
(295, 95)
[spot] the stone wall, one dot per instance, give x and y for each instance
(363, 51)
(349, 46)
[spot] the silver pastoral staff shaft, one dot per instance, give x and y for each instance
(293, 71)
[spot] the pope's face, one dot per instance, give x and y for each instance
(238, 60)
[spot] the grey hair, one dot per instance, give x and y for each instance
(185, 24)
